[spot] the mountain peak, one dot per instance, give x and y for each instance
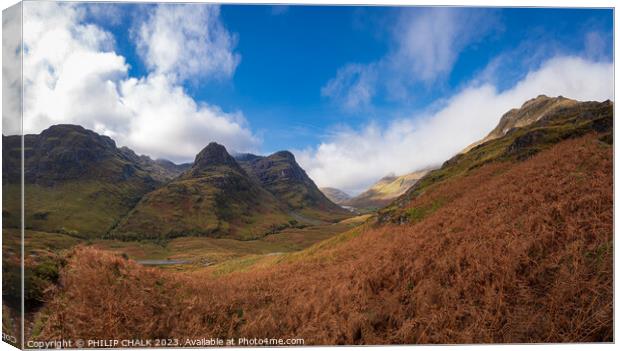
(531, 111)
(211, 157)
(75, 134)
(214, 154)
(285, 154)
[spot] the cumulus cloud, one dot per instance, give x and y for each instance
(11, 70)
(73, 75)
(168, 123)
(427, 43)
(354, 159)
(187, 42)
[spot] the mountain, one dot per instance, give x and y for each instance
(280, 174)
(384, 191)
(76, 181)
(215, 197)
(530, 112)
(336, 196)
(511, 242)
(161, 170)
(555, 119)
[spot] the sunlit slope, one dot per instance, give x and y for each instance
(336, 196)
(384, 191)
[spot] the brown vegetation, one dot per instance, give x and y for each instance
(511, 252)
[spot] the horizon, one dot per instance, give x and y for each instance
(367, 92)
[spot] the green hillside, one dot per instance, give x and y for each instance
(215, 197)
(76, 181)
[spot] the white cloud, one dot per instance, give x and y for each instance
(11, 70)
(430, 40)
(72, 75)
(353, 86)
(168, 123)
(353, 159)
(427, 42)
(187, 41)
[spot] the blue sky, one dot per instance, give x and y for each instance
(330, 83)
(288, 53)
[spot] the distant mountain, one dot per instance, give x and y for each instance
(384, 191)
(161, 170)
(215, 197)
(530, 112)
(280, 174)
(337, 196)
(76, 181)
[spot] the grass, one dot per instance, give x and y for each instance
(85, 209)
(219, 203)
(203, 251)
(417, 214)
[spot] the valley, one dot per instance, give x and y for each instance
(509, 241)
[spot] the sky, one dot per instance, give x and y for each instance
(356, 93)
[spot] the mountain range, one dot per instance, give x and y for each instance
(511, 241)
(80, 183)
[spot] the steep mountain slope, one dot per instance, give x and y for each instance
(76, 181)
(384, 191)
(280, 174)
(336, 196)
(509, 243)
(518, 144)
(530, 112)
(215, 197)
(161, 170)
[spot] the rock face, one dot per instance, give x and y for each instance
(336, 196)
(213, 155)
(215, 197)
(530, 112)
(384, 191)
(280, 174)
